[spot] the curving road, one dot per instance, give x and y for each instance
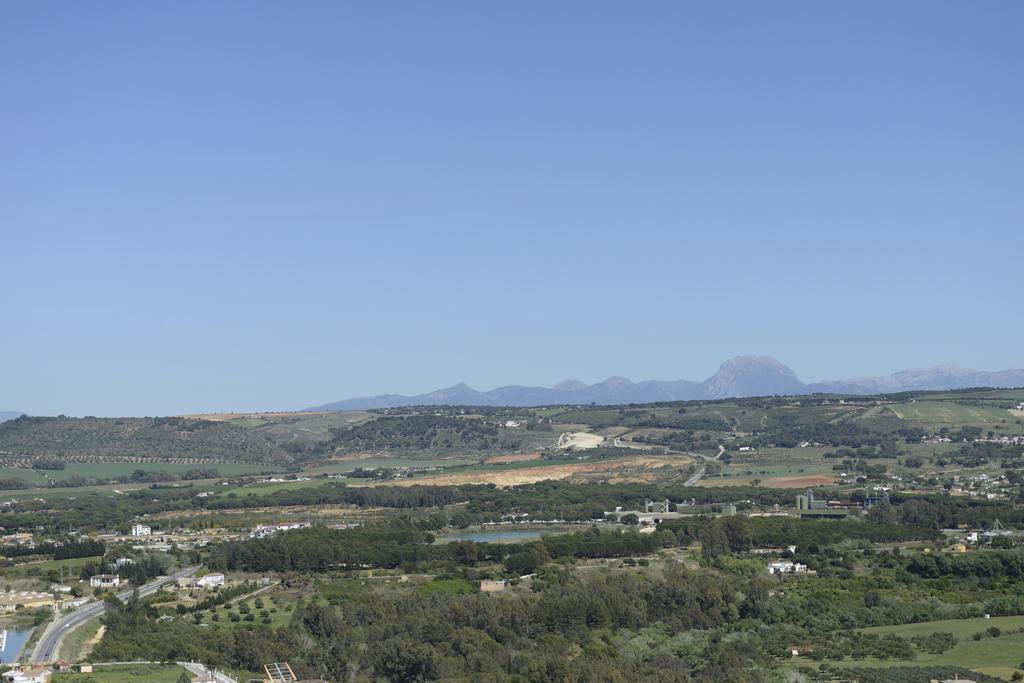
(699, 474)
(46, 649)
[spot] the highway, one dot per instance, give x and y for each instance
(48, 646)
(699, 474)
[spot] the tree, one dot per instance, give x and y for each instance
(713, 541)
(1002, 543)
(523, 563)
(738, 532)
(404, 659)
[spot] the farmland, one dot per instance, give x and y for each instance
(996, 656)
(947, 413)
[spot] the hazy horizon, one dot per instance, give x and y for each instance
(241, 207)
(544, 384)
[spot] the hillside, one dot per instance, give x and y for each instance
(6, 415)
(740, 377)
(93, 438)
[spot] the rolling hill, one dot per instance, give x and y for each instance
(134, 438)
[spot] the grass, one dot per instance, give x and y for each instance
(452, 586)
(278, 604)
(262, 489)
(71, 567)
(109, 470)
(249, 422)
(948, 413)
(777, 462)
(125, 673)
(75, 644)
(998, 657)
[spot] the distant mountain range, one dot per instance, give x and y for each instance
(736, 378)
(9, 415)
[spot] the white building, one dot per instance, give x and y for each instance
(786, 567)
(72, 603)
(27, 674)
(264, 530)
(141, 530)
(105, 581)
(211, 580)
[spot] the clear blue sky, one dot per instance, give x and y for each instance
(256, 205)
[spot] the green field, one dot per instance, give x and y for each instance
(738, 471)
(998, 657)
(125, 673)
(776, 462)
(71, 567)
(950, 413)
(262, 489)
(109, 470)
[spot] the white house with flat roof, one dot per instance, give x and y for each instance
(141, 530)
(786, 567)
(211, 580)
(105, 581)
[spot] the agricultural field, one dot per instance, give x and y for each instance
(37, 568)
(373, 461)
(638, 467)
(109, 470)
(97, 439)
(461, 445)
(995, 656)
(949, 413)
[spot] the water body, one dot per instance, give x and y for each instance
(494, 536)
(16, 638)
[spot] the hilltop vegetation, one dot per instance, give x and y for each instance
(173, 438)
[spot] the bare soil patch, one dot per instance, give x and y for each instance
(511, 457)
(579, 440)
(530, 475)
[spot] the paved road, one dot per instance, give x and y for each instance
(699, 474)
(46, 649)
